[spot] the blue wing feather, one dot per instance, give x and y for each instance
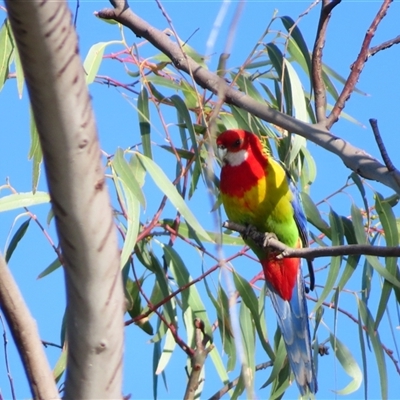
(301, 223)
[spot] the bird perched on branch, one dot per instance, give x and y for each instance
(257, 191)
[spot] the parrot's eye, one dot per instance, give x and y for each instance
(237, 143)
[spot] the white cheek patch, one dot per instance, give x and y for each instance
(234, 159)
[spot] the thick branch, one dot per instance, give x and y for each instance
(316, 74)
(354, 158)
(24, 331)
(48, 47)
(311, 253)
(357, 66)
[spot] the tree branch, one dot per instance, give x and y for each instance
(230, 385)
(383, 46)
(311, 253)
(357, 66)
(48, 47)
(198, 359)
(316, 73)
(354, 158)
(24, 331)
(381, 145)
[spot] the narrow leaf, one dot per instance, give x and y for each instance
(348, 363)
(249, 298)
(52, 267)
(16, 239)
(93, 60)
(6, 51)
(144, 121)
(20, 200)
(35, 153)
(164, 184)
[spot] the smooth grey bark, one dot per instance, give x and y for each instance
(48, 48)
(353, 157)
(26, 336)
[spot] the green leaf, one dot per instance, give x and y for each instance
(363, 354)
(190, 297)
(348, 363)
(19, 73)
(376, 345)
(277, 60)
(389, 225)
(93, 60)
(299, 101)
(313, 215)
(191, 97)
(219, 366)
(16, 239)
(357, 180)
(248, 338)
(35, 153)
(6, 51)
(192, 53)
(280, 357)
(144, 121)
(133, 196)
(163, 81)
(224, 326)
(169, 307)
(183, 111)
(246, 292)
(52, 267)
(358, 223)
(134, 303)
(163, 183)
(297, 36)
(126, 174)
(309, 171)
(60, 366)
(168, 349)
(337, 239)
(247, 86)
(156, 358)
(329, 71)
(20, 200)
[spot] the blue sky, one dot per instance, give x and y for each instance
(118, 127)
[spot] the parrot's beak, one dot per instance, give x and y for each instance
(222, 153)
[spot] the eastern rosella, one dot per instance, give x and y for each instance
(257, 191)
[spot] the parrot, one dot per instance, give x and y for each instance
(257, 191)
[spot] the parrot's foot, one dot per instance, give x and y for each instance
(249, 232)
(267, 238)
(278, 251)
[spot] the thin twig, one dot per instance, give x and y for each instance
(45, 344)
(381, 145)
(180, 342)
(5, 341)
(316, 63)
(354, 319)
(230, 385)
(382, 148)
(383, 46)
(311, 253)
(357, 66)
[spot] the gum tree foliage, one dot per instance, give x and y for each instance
(180, 287)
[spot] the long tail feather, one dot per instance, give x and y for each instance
(293, 322)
